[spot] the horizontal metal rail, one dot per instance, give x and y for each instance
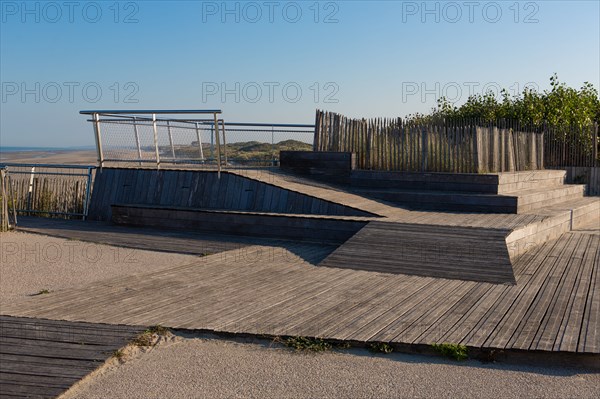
(150, 112)
(46, 165)
(176, 137)
(132, 117)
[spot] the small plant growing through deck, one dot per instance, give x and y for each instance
(158, 330)
(146, 338)
(306, 344)
(343, 345)
(143, 339)
(452, 351)
(118, 354)
(380, 347)
(41, 292)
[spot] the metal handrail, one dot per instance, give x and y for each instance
(162, 111)
(158, 122)
(132, 115)
(46, 165)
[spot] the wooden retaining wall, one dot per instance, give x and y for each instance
(584, 175)
(201, 190)
(318, 163)
(281, 226)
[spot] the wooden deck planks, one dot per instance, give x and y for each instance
(438, 251)
(589, 336)
(550, 326)
(43, 358)
(532, 307)
(568, 335)
(276, 289)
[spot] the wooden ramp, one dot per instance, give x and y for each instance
(465, 253)
(43, 358)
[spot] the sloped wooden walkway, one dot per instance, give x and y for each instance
(260, 289)
(467, 253)
(43, 358)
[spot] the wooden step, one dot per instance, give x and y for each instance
(529, 200)
(310, 228)
(458, 182)
(444, 200)
(559, 219)
(538, 179)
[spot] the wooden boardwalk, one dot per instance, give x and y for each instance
(274, 290)
(44, 358)
(467, 253)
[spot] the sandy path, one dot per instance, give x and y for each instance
(30, 263)
(200, 368)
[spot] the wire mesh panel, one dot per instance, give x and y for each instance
(160, 139)
(260, 144)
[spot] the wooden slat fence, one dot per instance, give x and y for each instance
(572, 146)
(8, 215)
(50, 191)
(466, 146)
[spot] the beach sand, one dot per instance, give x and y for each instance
(32, 263)
(187, 367)
(69, 157)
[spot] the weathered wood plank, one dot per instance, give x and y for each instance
(41, 359)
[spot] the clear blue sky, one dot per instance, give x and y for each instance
(360, 58)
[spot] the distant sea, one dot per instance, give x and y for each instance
(23, 149)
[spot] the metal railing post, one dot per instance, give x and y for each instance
(137, 140)
(273, 161)
(216, 126)
(224, 141)
(199, 141)
(88, 190)
(212, 142)
(98, 139)
(154, 127)
(171, 139)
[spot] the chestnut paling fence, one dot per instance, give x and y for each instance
(463, 146)
(46, 190)
(8, 214)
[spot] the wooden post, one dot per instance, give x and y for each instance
(477, 153)
(595, 162)
(424, 149)
(316, 138)
(495, 149)
(532, 151)
(4, 226)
